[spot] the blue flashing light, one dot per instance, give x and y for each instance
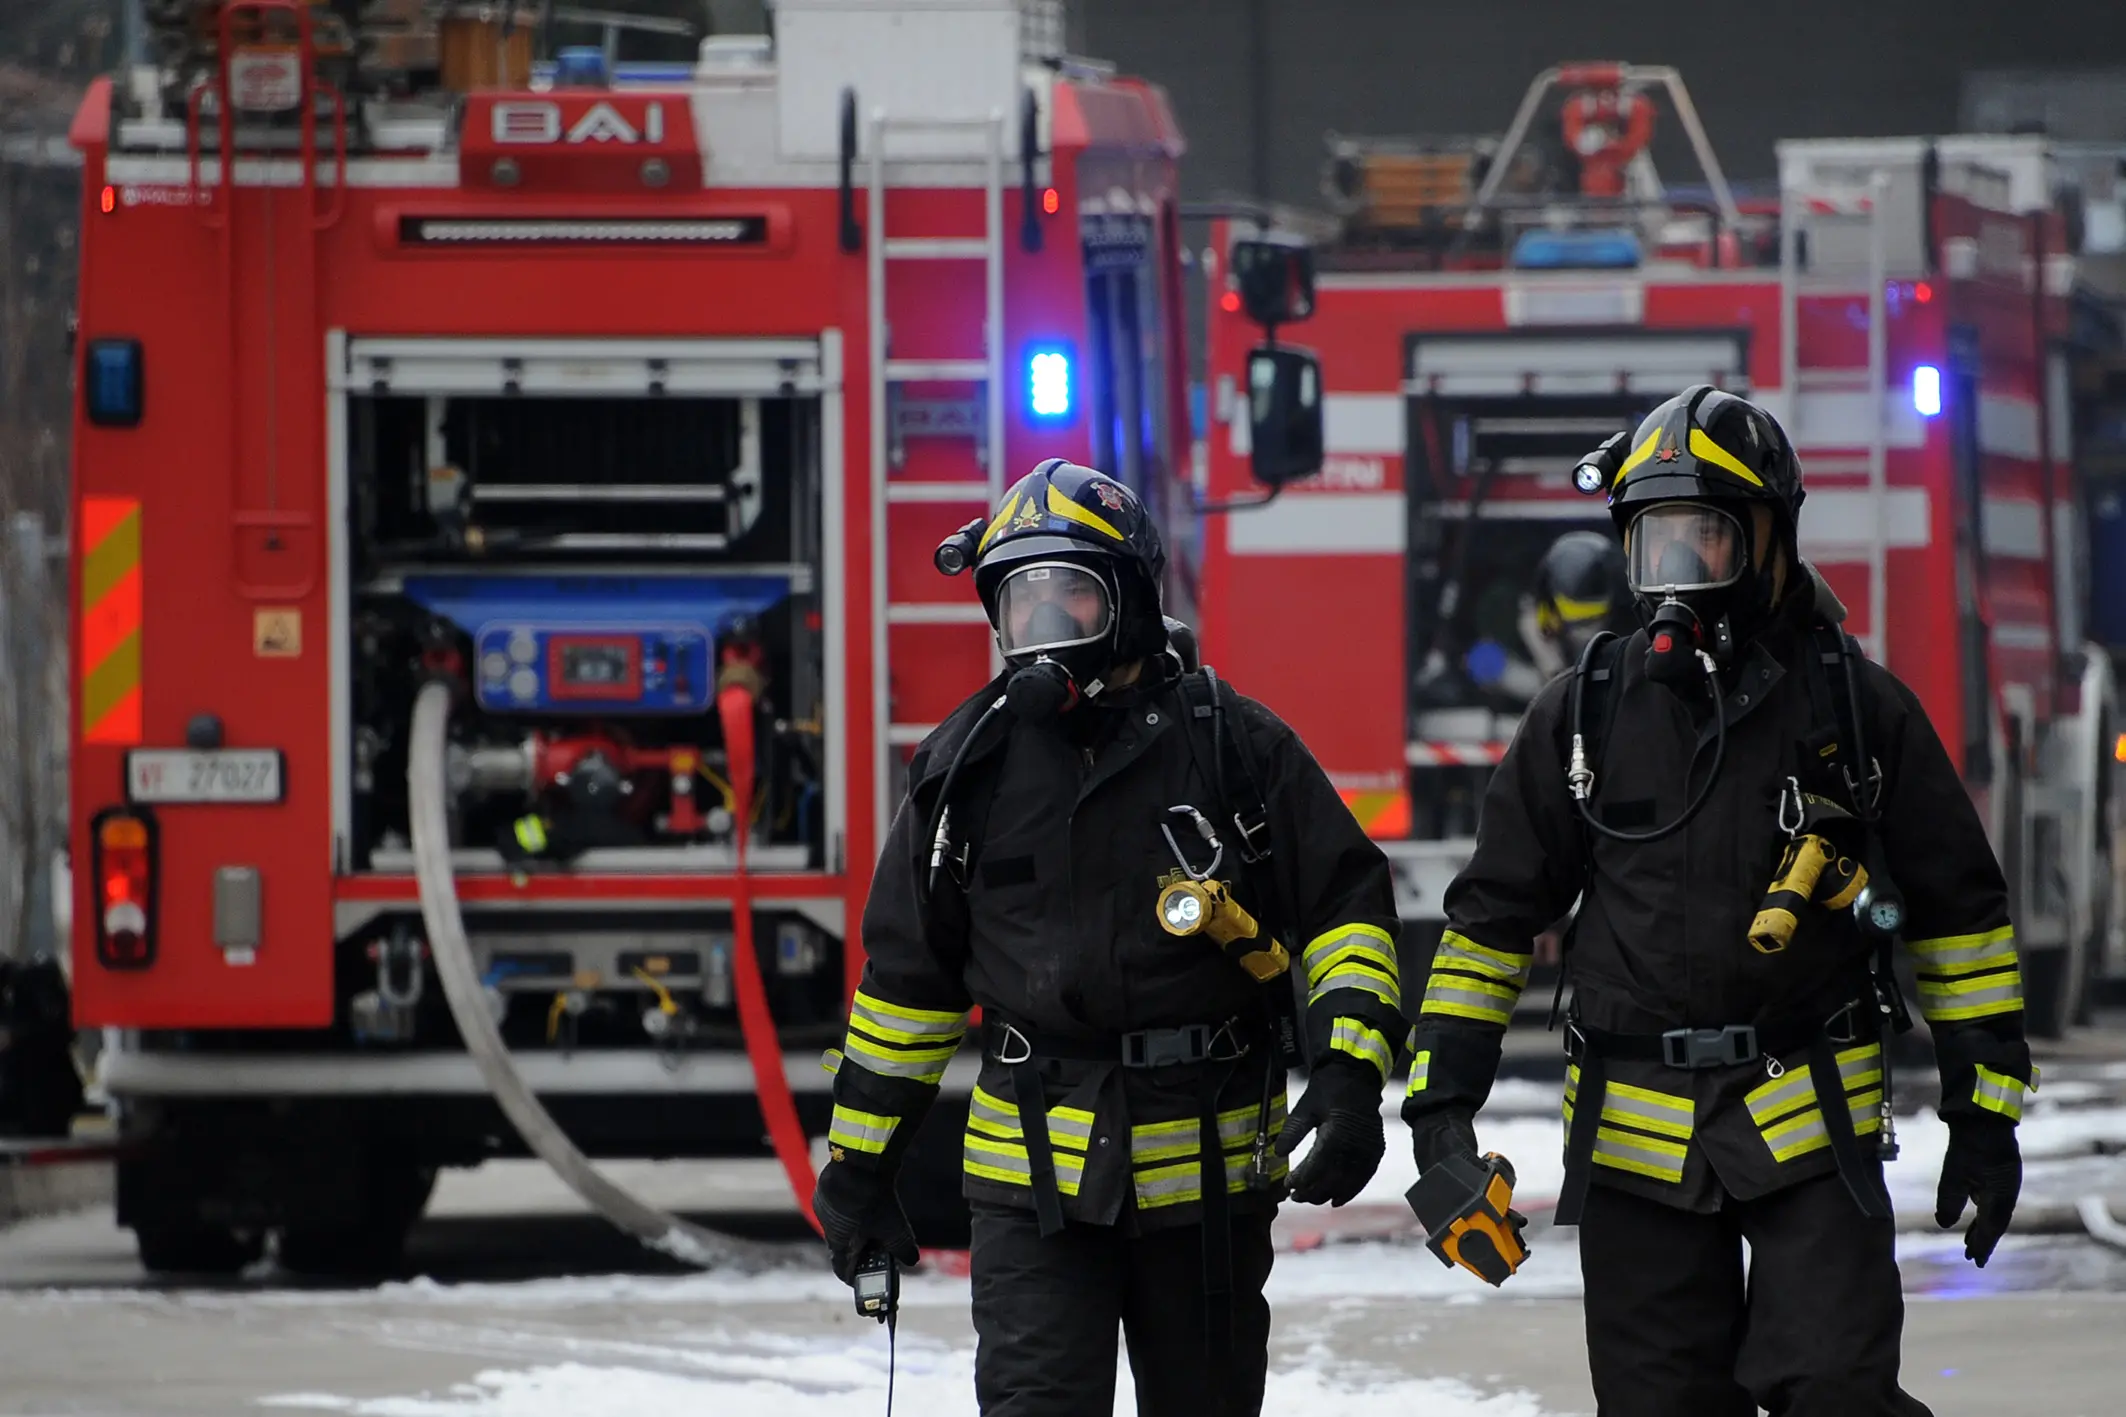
(114, 383)
(1602, 249)
(1486, 661)
(581, 66)
(1926, 390)
(1049, 395)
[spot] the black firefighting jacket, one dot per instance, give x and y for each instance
(1050, 925)
(1661, 939)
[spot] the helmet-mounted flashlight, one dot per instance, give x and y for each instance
(1598, 469)
(957, 551)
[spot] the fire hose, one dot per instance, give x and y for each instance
(452, 953)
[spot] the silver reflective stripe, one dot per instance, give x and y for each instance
(1357, 957)
(1649, 1110)
(1644, 1155)
(860, 1131)
(926, 1065)
(1857, 1067)
(1997, 1092)
(1420, 1072)
(1773, 1100)
(1007, 1162)
(1348, 1035)
(897, 1024)
(1970, 998)
(1469, 998)
(1966, 954)
(1067, 1126)
(1458, 951)
(989, 1109)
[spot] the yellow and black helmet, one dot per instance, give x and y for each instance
(1064, 513)
(1707, 445)
(1578, 584)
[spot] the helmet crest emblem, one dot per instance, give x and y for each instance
(1030, 516)
(1110, 495)
(1667, 451)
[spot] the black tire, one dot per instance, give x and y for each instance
(929, 1184)
(175, 1249)
(373, 1246)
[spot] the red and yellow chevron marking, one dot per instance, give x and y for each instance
(1382, 814)
(110, 620)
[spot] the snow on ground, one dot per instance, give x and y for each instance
(804, 1379)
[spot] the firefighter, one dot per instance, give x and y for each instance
(1127, 1144)
(1578, 592)
(1743, 878)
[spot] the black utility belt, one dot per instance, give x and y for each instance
(1010, 1043)
(1692, 1049)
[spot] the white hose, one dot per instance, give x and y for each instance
(425, 781)
(2099, 1222)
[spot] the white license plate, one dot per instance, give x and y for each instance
(194, 775)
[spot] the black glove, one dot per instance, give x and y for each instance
(1342, 1100)
(858, 1213)
(1438, 1135)
(1986, 1166)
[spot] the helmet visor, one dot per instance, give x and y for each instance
(1051, 605)
(1679, 546)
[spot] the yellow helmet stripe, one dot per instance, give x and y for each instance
(1576, 611)
(1011, 504)
(1639, 454)
(1706, 450)
(1061, 506)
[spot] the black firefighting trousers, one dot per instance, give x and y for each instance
(1046, 1313)
(1675, 1330)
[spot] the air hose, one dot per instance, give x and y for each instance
(734, 705)
(447, 945)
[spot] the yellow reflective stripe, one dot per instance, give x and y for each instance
(1458, 951)
(1950, 1000)
(1178, 1185)
(531, 834)
(1770, 1101)
(1639, 454)
(924, 1065)
(1965, 954)
(1008, 1163)
(1061, 506)
(1645, 1156)
(1998, 1092)
(1858, 1067)
(1647, 1109)
(1168, 1141)
(1463, 997)
(1420, 1073)
(1070, 1128)
(1360, 953)
(1348, 1035)
(1706, 450)
(860, 1131)
(1330, 941)
(892, 1020)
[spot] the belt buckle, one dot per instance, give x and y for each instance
(1692, 1049)
(1165, 1047)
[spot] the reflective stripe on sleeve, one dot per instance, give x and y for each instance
(1965, 954)
(1980, 996)
(1348, 1035)
(1458, 951)
(1463, 997)
(895, 1023)
(1353, 957)
(1998, 1092)
(860, 1131)
(924, 1065)
(1420, 1072)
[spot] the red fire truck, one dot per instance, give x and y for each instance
(409, 357)
(1491, 308)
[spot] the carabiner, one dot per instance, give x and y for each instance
(1205, 830)
(1790, 796)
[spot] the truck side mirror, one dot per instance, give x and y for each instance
(1275, 276)
(1284, 414)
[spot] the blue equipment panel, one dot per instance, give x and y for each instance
(531, 668)
(596, 644)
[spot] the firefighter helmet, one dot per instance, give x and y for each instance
(1707, 445)
(1072, 561)
(1577, 584)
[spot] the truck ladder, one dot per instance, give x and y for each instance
(1872, 378)
(884, 250)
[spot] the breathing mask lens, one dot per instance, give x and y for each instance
(1681, 547)
(1051, 605)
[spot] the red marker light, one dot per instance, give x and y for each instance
(110, 200)
(1663, 643)
(1051, 201)
(1923, 292)
(1229, 302)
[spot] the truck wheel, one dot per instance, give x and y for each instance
(375, 1244)
(930, 1179)
(169, 1248)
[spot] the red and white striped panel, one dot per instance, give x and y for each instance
(1841, 204)
(1456, 755)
